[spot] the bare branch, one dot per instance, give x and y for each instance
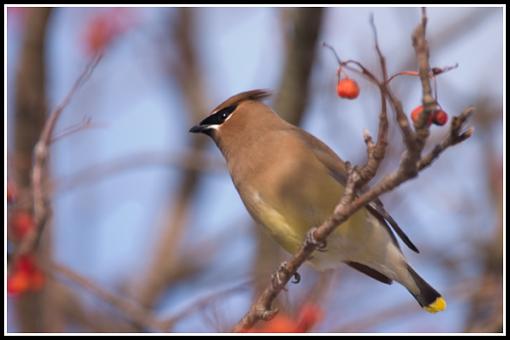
(130, 310)
(454, 137)
(350, 202)
(376, 152)
(201, 303)
(422, 56)
(86, 123)
(435, 71)
(408, 134)
(196, 161)
(39, 170)
(382, 60)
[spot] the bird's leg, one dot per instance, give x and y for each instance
(310, 239)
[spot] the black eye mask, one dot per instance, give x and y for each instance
(219, 117)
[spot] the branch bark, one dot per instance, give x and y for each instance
(40, 193)
(30, 115)
(30, 93)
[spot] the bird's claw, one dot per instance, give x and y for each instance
(296, 278)
(310, 239)
(277, 280)
(268, 314)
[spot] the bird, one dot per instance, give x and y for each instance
(290, 182)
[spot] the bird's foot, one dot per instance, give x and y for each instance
(296, 278)
(268, 314)
(277, 280)
(310, 239)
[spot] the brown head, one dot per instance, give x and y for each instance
(226, 110)
(239, 119)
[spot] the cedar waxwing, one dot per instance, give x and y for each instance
(290, 181)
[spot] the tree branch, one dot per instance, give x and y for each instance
(350, 202)
(202, 302)
(40, 196)
(197, 161)
(130, 310)
(454, 137)
(377, 151)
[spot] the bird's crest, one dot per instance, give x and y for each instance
(241, 97)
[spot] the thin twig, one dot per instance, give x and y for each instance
(382, 60)
(346, 64)
(377, 151)
(202, 302)
(130, 310)
(196, 161)
(40, 197)
(86, 123)
(435, 71)
(422, 56)
(455, 136)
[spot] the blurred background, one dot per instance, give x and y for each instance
(147, 233)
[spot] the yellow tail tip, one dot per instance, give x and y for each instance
(438, 305)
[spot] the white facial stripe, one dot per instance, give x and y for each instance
(229, 116)
(217, 126)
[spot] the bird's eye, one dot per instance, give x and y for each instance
(224, 113)
(219, 117)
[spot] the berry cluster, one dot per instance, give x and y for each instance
(25, 274)
(438, 116)
(349, 89)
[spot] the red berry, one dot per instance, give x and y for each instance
(11, 192)
(416, 113)
(26, 263)
(105, 27)
(18, 282)
(309, 315)
(440, 117)
(25, 276)
(347, 88)
(21, 223)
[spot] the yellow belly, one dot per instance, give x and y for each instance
(290, 230)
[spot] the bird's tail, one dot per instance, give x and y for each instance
(426, 296)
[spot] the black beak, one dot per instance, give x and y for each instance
(198, 128)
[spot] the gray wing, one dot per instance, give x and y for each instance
(339, 171)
